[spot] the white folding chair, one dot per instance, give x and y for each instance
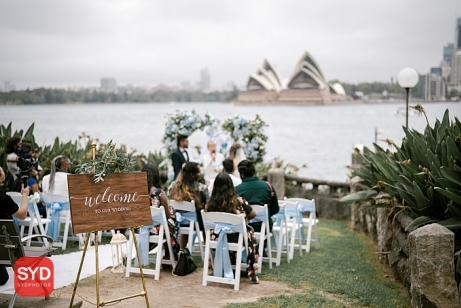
(262, 215)
(158, 218)
(64, 218)
(34, 221)
(293, 223)
(307, 206)
(280, 232)
(237, 223)
(187, 210)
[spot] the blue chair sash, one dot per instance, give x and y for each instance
(222, 265)
(56, 208)
(144, 233)
(184, 217)
(303, 207)
(260, 217)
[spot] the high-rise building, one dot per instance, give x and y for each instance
(458, 34)
(108, 85)
(9, 86)
(436, 71)
(205, 80)
(431, 87)
(447, 51)
(455, 78)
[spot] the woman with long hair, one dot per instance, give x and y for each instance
(187, 187)
(158, 198)
(224, 199)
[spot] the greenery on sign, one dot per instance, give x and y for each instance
(108, 160)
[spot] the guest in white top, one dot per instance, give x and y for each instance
(212, 162)
(55, 183)
(228, 165)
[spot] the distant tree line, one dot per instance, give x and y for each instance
(62, 96)
(375, 87)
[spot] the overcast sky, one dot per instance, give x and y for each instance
(147, 42)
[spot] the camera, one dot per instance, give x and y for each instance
(25, 161)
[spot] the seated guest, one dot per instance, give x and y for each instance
(256, 191)
(228, 165)
(187, 187)
(55, 183)
(9, 208)
(212, 162)
(158, 198)
(224, 199)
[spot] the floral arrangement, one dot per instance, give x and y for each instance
(250, 133)
(184, 122)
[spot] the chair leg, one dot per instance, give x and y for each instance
(13, 299)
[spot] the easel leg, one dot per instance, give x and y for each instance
(96, 252)
(140, 266)
(79, 272)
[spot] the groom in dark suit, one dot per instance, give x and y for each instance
(180, 155)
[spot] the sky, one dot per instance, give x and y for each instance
(149, 42)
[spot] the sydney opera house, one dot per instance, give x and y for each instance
(307, 85)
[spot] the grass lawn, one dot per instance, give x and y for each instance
(343, 272)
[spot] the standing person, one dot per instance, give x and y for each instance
(228, 165)
(32, 183)
(187, 188)
(237, 154)
(55, 183)
(212, 162)
(180, 155)
(12, 158)
(158, 198)
(256, 191)
(9, 208)
(224, 199)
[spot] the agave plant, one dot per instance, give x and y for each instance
(423, 174)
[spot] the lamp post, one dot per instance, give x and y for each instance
(407, 79)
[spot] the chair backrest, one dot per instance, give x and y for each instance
(155, 211)
(187, 206)
(17, 197)
(262, 213)
(9, 237)
(232, 219)
(49, 198)
(291, 209)
(305, 205)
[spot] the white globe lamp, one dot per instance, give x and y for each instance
(407, 79)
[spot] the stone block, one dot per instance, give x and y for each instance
(432, 267)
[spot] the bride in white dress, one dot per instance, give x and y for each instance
(237, 154)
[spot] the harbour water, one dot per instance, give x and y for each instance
(323, 137)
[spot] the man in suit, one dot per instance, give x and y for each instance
(180, 155)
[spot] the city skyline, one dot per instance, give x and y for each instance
(53, 44)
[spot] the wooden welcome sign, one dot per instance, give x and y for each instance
(120, 201)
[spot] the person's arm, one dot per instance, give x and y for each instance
(21, 213)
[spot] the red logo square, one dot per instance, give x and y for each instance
(34, 276)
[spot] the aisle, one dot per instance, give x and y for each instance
(66, 267)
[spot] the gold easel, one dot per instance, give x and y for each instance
(103, 303)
